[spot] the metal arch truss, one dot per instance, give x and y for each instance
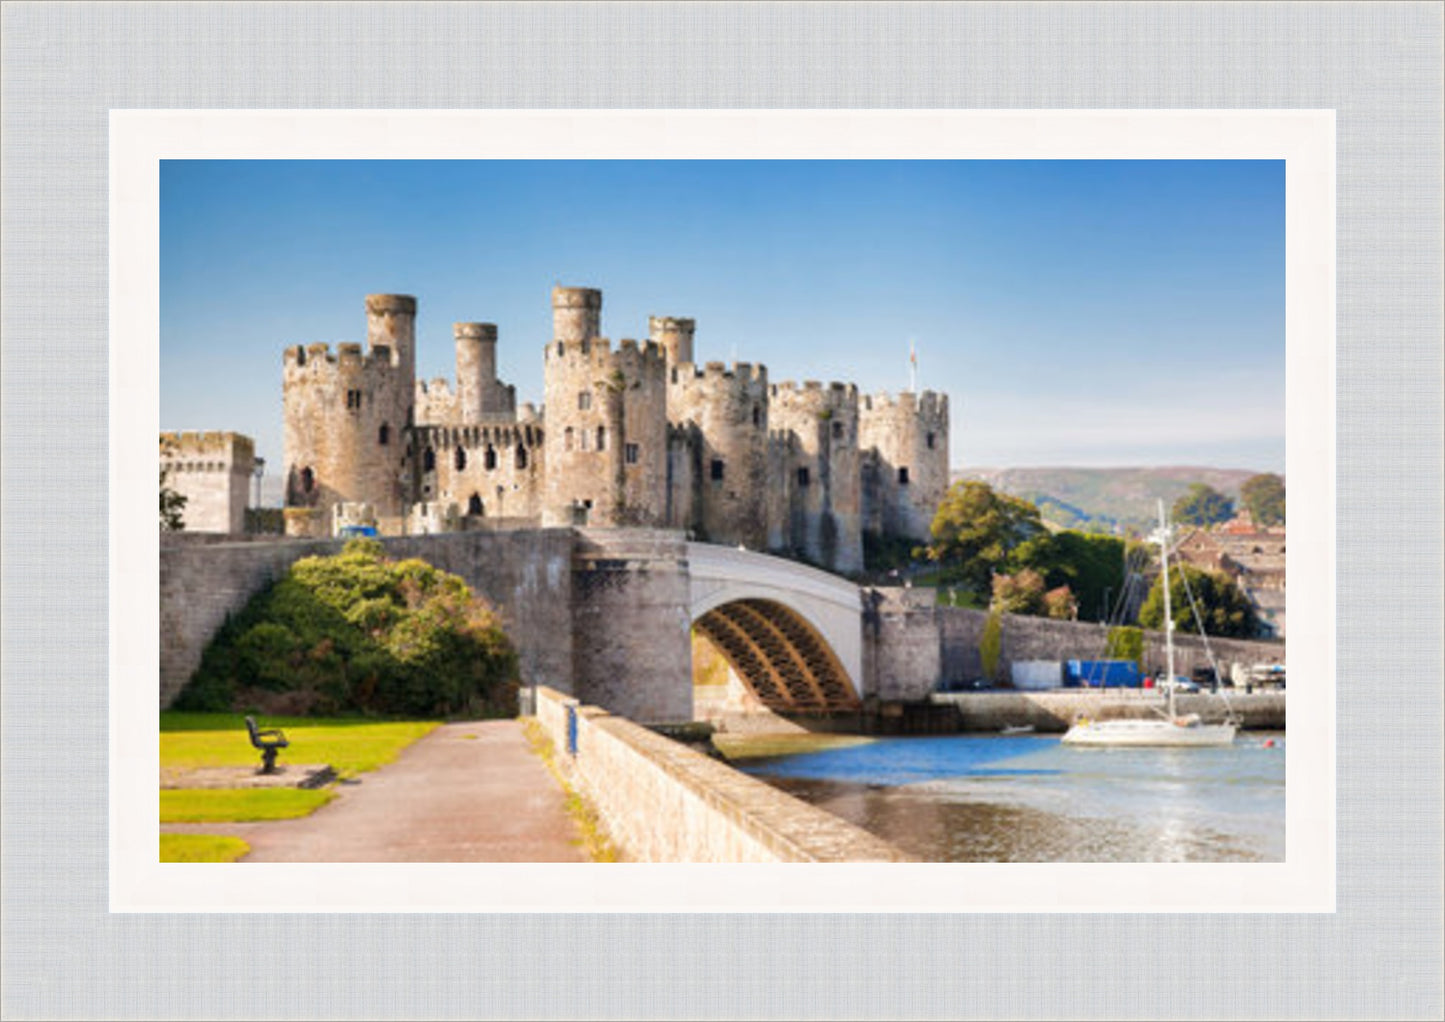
(779, 656)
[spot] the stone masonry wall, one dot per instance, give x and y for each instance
(902, 652)
(525, 574)
(662, 802)
(1037, 638)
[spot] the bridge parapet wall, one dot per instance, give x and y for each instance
(663, 802)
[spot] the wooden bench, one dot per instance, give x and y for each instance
(269, 741)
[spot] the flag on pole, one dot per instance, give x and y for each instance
(912, 367)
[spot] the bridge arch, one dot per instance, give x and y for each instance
(793, 634)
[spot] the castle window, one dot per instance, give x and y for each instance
(521, 456)
(903, 475)
(602, 438)
(474, 506)
(837, 430)
(353, 399)
(717, 470)
(428, 460)
(567, 439)
(757, 415)
(461, 459)
(630, 452)
(308, 480)
(383, 435)
(584, 400)
(489, 460)
(803, 478)
(930, 441)
(561, 348)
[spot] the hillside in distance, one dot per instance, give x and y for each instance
(1099, 499)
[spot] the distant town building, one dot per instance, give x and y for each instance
(1253, 557)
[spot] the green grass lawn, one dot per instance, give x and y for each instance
(201, 848)
(192, 740)
(238, 805)
(351, 746)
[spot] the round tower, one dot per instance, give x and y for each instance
(729, 407)
(476, 368)
(906, 436)
(823, 479)
(673, 336)
(391, 337)
(345, 417)
(576, 313)
(606, 437)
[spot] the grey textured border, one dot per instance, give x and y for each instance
(66, 65)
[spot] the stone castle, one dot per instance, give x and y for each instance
(632, 434)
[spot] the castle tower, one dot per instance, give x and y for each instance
(673, 336)
(576, 313)
(345, 420)
(728, 476)
(605, 441)
(476, 345)
(906, 436)
(819, 427)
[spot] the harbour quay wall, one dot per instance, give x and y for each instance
(663, 802)
(1054, 711)
(525, 574)
(1040, 638)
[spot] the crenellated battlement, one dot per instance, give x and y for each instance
(683, 373)
(477, 437)
(598, 351)
(211, 446)
(316, 359)
(815, 396)
(927, 405)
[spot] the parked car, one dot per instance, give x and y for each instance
(1180, 684)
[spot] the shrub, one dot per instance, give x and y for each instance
(357, 632)
(1126, 642)
(990, 645)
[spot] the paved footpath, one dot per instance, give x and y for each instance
(469, 792)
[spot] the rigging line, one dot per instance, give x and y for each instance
(1204, 636)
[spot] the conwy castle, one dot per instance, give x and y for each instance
(632, 434)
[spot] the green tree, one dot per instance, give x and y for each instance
(1202, 505)
(357, 632)
(1060, 604)
(975, 530)
(1022, 593)
(1224, 609)
(1263, 495)
(1092, 567)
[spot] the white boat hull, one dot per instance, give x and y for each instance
(1148, 732)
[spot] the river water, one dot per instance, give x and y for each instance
(1027, 798)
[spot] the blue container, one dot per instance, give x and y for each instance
(1102, 674)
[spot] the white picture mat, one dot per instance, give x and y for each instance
(1304, 139)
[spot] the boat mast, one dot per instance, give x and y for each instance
(1168, 611)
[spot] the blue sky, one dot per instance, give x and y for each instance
(1084, 313)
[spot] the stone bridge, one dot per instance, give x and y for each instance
(606, 615)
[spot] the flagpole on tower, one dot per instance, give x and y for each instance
(912, 368)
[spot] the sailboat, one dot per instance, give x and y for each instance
(1171, 728)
